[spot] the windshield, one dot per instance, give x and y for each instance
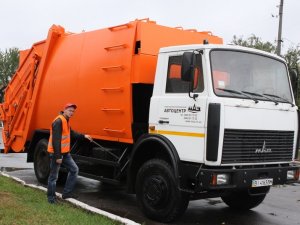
(239, 74)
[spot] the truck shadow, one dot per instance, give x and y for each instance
(202, 212)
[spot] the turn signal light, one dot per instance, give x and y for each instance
(297, 174)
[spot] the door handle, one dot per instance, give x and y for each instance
(163, 121)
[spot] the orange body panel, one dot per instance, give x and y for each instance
(95, 70)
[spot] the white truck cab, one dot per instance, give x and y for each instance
(230, 114)
(240, 110)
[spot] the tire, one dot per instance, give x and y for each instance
(41, 161)
(242, 200)
(157, 192)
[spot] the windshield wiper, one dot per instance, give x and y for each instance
(276, 96)
(238, 92)
(264, 96)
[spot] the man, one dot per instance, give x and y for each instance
(59, 150)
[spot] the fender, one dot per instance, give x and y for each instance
(139, 156)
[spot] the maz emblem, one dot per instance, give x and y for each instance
(264, 149)
(194, 109)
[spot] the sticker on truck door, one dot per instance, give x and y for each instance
(184, 114)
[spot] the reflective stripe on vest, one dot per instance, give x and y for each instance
(65, 137)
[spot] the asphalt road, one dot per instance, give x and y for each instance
(281, 206)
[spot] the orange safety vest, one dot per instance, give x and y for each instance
(65, 136)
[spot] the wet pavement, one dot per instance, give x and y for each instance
(281, 206)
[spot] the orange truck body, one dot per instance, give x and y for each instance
(95, 70)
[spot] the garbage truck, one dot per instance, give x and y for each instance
(176, 115)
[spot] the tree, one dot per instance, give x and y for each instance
(292, 58)
(9, 62)
(254, 42)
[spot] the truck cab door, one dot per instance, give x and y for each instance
(174, 114)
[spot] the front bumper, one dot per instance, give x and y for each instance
(240, 178)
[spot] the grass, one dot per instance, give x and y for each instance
(24, 205)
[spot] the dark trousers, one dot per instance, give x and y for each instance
(73, 170)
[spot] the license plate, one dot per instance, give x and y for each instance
(262, 182)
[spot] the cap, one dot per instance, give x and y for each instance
(68, 105)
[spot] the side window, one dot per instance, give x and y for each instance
(174, 82)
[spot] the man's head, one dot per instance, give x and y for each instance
(69, 110)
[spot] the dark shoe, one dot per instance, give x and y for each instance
(71, 195)
(56, 202)
(51, 201)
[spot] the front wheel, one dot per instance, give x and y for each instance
(157, 191)
(41, 161)
(243, 199)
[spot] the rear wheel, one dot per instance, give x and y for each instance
(41, 161)
(157, 192)
(243, 200)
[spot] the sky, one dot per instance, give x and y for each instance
(24, 22)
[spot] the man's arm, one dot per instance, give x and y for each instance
(56, 137)
(76, 135)
(79, 136)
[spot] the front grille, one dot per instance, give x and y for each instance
(254, 146)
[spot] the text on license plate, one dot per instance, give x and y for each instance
(262, 182)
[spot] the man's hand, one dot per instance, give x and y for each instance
(88, 137)
(59, 161)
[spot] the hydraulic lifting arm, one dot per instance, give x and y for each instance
(21, 93)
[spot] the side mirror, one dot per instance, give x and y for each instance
(188, 65)
(294, 80)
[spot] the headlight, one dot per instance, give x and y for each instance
(292, 175)
(220, 179)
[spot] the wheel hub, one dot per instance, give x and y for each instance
(156, 191)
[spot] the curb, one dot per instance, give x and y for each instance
(77, 203)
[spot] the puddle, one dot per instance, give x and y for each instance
(214, 202)
(11, 169)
